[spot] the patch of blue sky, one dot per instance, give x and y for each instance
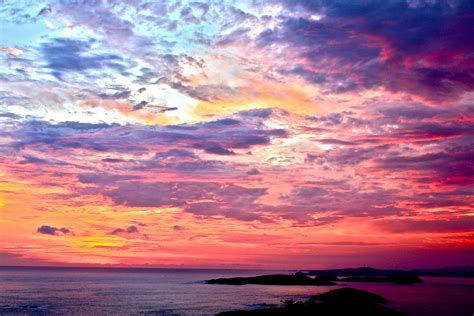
(22, 35)
(20, 24)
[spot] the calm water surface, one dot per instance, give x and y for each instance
(182, 292)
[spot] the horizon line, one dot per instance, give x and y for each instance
(215, 268)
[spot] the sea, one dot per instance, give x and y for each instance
(96, 291)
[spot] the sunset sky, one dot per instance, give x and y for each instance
(253, 134)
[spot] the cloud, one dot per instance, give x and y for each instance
(330, 203)
(253, 172)
(140, 105)
(423, 146)
(349, 243)
(53, 231)
(103, 179)
(453, 224)
(12, 51)
(129, 111)
(219, 137)
(359, 46)
(129, 230)
(412, 112)
(451, 166)
(67, 56)
(213, 148)
(36, 160)
(178, 228)
(199, 198)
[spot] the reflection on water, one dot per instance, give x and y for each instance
(181, 292)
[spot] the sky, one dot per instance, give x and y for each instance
(254, 134)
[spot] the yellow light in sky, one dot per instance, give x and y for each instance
(96, 241)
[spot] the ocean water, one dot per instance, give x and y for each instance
(77, 291)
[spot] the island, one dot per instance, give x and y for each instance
(397, 279)
(366, 274)
(345, 301)
(274, 279)
(457, 272)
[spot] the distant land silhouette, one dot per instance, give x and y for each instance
(274, 279)
(395, 278)
(459, 272)
(300, 278)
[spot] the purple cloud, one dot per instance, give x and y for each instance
(359, 46)
(221, 199)
(129, 230)
(53, 231)
(453, 224)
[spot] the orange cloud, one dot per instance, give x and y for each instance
(290, 97)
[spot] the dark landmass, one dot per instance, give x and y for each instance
(460, 272)
(346, 301)
(396, 278)
(349, 295)
(274, 279)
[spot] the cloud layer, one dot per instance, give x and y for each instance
(236, 133)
